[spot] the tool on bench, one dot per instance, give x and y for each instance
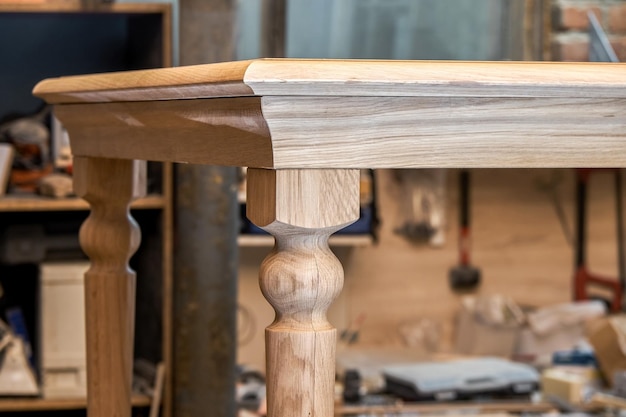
(583, 279)
(464, 276)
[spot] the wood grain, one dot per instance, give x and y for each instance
(76, 6)
(434, 78)
(418, 132)
(14, 203)
(109, 236)
(356, 132)
(225, 132)
(54, 404)
(361, 114)
(194, 81)
(297, 77)
(300, 279)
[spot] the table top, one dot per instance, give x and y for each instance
(285, 113)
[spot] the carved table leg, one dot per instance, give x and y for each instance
(300, 278)
(109, 237)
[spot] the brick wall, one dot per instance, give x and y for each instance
(570, 41)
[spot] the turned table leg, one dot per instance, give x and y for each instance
(109, 237)
(300, 278)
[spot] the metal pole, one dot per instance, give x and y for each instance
(206, 255)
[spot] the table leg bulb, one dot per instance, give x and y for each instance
(300, 278)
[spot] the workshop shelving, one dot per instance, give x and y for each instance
(35, 203)
(49, 38)
(43, 404)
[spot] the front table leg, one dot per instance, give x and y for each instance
(109, 237)
(300, 278)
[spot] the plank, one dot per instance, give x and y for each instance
(175, 131)
(356, 132)
(451, 408)
(52, 404)
(289, 77)
(35, 203)
(193, 81)
(67, 6)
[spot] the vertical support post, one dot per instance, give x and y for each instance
(109, 236)
(205, 302)
(300, 278)
(201, 378)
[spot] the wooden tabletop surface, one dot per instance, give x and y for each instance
(301, 77)
(284, 113)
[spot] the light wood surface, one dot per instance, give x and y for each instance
(352, 114)
(109, 237)
(300, 278)
(301, 77)
(195, 81)
(251, 240)
(451, 132)
(451, 408)
(51, 404)
(11, 203)
(76, 6)
(176, 131)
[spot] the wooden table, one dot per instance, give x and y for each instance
(305, 127)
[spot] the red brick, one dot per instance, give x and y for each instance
(574, 17)
(617, 18)
(570, 50)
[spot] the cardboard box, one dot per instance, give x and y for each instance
(607, 335)
(483, 328)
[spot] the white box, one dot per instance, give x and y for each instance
(63, 351)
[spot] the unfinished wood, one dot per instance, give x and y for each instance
(449, 408)
(358, 114)
(225, 132)
(167, 263)
(109, 236)
(195, 81)
(417, 132)
(76, 6)
(300, 278)
(312, 199)
(297, 77)
(356, 132)
(335, 240)
(166, 26)
(35, 203)
(46, 404)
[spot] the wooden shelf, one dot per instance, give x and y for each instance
(246, 240)
(75, 6)
(456, 408)
(44, 404)
(36, 203)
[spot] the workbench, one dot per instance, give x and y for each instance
(305, 128)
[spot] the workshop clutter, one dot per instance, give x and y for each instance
(34, 158)
(488, 326)
(496, 325)
(17, 377)
(607, 335)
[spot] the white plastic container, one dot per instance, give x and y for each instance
(63, 358)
